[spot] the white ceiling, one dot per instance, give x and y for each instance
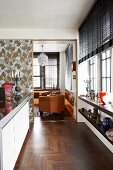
(56, 14)
(49, 47)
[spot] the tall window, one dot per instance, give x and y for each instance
(93, 73)
(51, 74)
(106, 71)
(69, 59)
(46, 76)
(36, 72)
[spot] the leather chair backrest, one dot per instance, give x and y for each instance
(51, 103)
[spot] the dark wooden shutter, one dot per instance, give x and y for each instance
(96, 32)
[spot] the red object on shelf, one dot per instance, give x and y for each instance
(101, 94)
(8, 89)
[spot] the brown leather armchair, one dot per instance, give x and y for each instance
(51, 104)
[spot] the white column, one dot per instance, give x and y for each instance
(62, 72)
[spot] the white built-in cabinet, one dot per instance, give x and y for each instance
(12, 137)
(8, 152)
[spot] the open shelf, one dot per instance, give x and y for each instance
(108, 109)
(98, 127)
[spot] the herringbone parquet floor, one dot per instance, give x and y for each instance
(63, 145)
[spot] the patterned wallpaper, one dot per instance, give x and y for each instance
(17, 54)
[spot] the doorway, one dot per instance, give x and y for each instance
(54, 76)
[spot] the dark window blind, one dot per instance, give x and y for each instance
(111, 23)
(96, 32)
(106, 21)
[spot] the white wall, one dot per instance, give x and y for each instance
(82, 75)
(62, 72)
(38, 34)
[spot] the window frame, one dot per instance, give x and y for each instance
(36, 75)
(42, 70)
(94, 64)
(105, 77)
(91, 69)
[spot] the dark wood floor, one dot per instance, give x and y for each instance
(63, 145)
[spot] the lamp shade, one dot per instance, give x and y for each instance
(42, 58)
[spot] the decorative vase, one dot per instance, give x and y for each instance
(17, 97)
(98, 120)
(101, 95)
(107, 123)
(8, 89)
(95, 114)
